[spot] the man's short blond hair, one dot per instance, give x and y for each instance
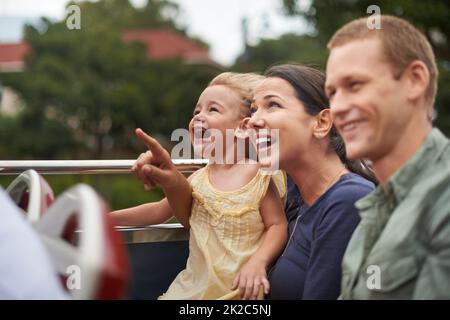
(241, 83)
(402, 44)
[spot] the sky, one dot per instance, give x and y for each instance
(217, 22)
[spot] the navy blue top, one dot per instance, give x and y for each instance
(310, 266)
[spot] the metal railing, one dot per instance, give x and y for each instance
(156, 253)
(155, 233)
(10, 167)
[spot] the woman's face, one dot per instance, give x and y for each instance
(276, 106)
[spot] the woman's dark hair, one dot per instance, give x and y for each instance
(309, 84)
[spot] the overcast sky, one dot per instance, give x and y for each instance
(217, 22)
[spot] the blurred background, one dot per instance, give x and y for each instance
(80, 93)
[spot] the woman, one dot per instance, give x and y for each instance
(322, 187)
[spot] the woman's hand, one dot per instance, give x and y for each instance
(154, 167)
(250, 278)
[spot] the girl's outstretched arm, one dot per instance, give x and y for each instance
(143, 215)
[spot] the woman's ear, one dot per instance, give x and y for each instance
(241, 131)
(323, 123)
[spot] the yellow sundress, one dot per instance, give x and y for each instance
(226, 229)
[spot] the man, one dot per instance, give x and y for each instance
(382, 85)
(25, 268)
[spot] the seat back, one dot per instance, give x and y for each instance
(31, 193)
(87, 251)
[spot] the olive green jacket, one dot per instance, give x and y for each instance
(401, 248)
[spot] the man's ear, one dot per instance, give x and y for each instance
(323, 123)
(241, 131)
(418, 79)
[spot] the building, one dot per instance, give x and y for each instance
(167, 44)
(160, 44)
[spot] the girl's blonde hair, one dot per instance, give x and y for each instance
(241, 83)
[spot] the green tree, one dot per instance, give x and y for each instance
(31, 136)
(97, 88)
(85, 91)
(288, 48)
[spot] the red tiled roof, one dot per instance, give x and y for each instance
(12, 56)
(164, 43)
(161, 44)
(13, 52)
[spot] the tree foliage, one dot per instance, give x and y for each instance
(288, 48)
(94, 89)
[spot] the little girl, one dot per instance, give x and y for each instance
(234, 211)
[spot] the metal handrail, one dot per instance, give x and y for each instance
(10, 167)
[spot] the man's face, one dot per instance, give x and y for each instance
(369, 105)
